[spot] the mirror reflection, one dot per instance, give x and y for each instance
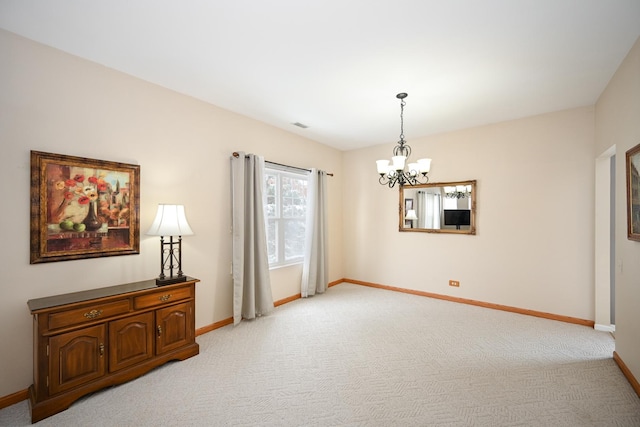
(441, 207)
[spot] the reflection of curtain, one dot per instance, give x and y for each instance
(251, 281)
(421, 209)
(431, 214)
(436, 210)
(315, 271)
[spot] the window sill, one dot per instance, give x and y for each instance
(279, 266)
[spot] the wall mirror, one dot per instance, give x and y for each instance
(441, 207)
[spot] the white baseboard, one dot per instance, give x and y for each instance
(604, 328)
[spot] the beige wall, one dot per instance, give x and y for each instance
(534, 242)
(617, 123)
(54, 102)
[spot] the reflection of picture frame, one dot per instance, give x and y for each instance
(633, 193)
(408, 204)
(83, 208)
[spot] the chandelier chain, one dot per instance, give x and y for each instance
(402, 104)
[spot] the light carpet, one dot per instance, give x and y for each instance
(359, 356)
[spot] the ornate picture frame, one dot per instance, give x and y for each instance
(83, 208)
(633, 193)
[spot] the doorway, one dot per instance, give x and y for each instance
(605, 240)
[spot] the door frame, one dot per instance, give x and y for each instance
(604, 240)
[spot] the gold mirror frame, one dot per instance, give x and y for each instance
(405, 205)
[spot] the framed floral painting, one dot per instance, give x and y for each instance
(633, 193)
(83, 208)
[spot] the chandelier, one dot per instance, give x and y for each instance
(396, 172)
(457, 192)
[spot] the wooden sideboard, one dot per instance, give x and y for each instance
(88, 340)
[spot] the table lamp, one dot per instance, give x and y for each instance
(170, 222)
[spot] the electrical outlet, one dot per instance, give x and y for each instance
(454, 283)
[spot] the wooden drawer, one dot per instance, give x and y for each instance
(163, 297)
(88, 313)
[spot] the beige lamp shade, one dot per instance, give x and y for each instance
(170, 221)
(411, 214)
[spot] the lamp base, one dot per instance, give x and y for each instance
(170, 280)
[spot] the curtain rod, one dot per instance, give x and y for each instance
(236, 154)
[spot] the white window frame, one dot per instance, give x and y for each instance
(279, 220)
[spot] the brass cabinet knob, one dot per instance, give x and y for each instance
(93, 314)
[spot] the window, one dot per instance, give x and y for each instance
(285, 211)
(449, 203)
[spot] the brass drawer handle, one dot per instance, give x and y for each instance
(165, 297)
(101, 349)
(159, 330)
(93, 314)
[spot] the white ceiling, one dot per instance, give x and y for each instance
(336, 65)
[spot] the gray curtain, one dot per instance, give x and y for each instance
(428, 210)
(433, 210)
(315, 271)
(421, 211)
(251, 282)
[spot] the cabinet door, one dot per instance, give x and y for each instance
(130, 341)
(76, 358)
(174, 327)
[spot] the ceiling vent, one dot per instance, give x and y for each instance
(300, 125)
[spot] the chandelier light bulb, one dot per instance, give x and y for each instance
(383, 166)
(398, 162)
(424, 165)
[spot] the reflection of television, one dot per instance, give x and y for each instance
(457, 217)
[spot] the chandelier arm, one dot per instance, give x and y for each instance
(415, 180)
(406, 178)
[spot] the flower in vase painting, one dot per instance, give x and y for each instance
(75, 191)
(78, 192)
